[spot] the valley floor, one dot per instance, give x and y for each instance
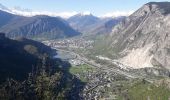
(106, 79)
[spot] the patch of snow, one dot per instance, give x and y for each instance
(29, 12)
(86, 13)
(34, 13)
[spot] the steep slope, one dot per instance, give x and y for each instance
(17, 57)
(43, 27)
(5, 18)
(143, 39)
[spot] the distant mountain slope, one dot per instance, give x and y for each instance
(105, 25)
(44, 27)
(5, 18)
(89, 24)
(80, 21)
(17, 57)
(143, 39)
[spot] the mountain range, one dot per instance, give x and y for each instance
(43, 27)
(49, 26)
(46, 27)
(65, 15)
(143, 35)
(125, 60)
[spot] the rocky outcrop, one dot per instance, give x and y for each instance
(143, 39)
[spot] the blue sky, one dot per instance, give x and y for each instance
(97, 7)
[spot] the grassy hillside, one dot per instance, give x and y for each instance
(143, 90)
(81, 71)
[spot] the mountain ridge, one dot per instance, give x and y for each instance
(40, 26)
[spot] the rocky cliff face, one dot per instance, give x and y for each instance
(143, 39)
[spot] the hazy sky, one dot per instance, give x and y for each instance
(97, 7)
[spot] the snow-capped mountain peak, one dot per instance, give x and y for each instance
(115, 14)
(65, 15)
(86, 13)
(29, 12)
